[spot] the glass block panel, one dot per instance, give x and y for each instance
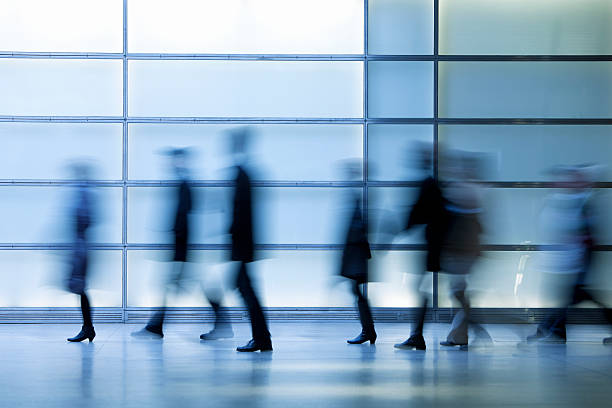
(388, 211)
(400, 89)
(400, 27)
(45, 150)
(40, 25)
(36, 278)
(246, 88)
(281, 278)
(61, 87)
(246, 26)
(391, 155)
(278, 152)
(525, 27)
(519, 89)
(527, 153)
(40, 214)
(397, 279)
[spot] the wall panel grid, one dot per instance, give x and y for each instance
(368, 86)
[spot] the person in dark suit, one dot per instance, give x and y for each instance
(82, 219)
(243, 246)
(429, 211)
(354, 263)
(181, 233)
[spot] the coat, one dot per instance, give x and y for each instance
(356, 250)
(241, 229)
(429, 210)
(181, 221)
(79, 259)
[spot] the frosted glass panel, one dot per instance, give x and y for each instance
(45, 150)
(400, 89)
(525, 89)
(400, 27)
(281, 278)
(246, 27)
(64, 87)
(282, 215)
(512, 216)
(391, 153)
(278, 152)
(151, 212)
(41, 25)
(41, 215)
(246, 88)
(388, 209)
(525, 27)
(513, 279)
(397, 278)
(37, 279)
(527, 153)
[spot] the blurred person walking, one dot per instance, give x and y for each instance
(243, 246)
(429, 210)
(569, 224)
(461, 244)
(82, 218)
(355, 256)
(181, 233)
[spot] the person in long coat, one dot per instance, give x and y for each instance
(243, 246)
(354, 263)
(81, 221)
(429, 210)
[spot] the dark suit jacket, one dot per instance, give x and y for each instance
(356, 248)
(181, 221)
(429, 210)
(242, 221)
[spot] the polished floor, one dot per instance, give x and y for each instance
(311, 366)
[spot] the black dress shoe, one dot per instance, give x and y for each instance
(414, 342)
(362, 338)
(252, 346)
(87, 332)
(149, 333)
(448, 343)
(218, 333)
(607, 341)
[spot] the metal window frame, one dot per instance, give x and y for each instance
(437, 314)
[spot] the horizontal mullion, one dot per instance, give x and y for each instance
(244, 120)
(63, 119)
(285, 247)
(524, 121)
(61, 55)
(301, 57)
(247, 57)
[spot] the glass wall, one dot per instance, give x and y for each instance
(525, 83)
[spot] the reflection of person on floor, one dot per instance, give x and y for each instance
(461, 247)
(429, 211)
(354, 264)
(568, 222)
(243, 246)
(181, 230)
(82, 219)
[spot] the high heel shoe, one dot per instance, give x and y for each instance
(87, 332)
(362, 338)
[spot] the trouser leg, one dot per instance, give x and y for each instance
(459, 327)
(86, 310)
(420, 321)
(365, 314)
(259, 327)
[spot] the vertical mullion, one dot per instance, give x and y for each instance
(124, 174)
(365, 124)
(436, 13)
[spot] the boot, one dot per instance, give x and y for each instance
(363, 337)
(414, 342)
(87, 332)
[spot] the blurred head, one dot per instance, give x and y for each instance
(420, 156)
(81, 171)
(240, 139)
(351, 169)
